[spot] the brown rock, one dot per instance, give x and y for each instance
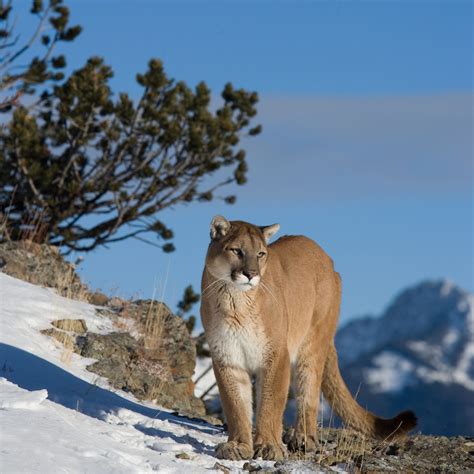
(42, 265)
(183, 456)
(116, 303)
(78, 326)
(220, 467)
(98, 299)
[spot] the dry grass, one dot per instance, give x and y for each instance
(336, 446)
(4, 234)
(145, 323)
(33, 230)
(350, 449)
(4, 231)
(153, 326)
(65, 341)
(69, 285)
(66, 355)
(152, 332)
(341, 445)
(148, 325)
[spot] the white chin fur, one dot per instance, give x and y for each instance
(244, 287)
(244, 284)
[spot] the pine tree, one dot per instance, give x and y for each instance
(90, 167)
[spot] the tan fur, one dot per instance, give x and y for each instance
(271, 311)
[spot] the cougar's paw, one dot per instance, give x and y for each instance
(301, 442)
(270, 451)
(234, 450)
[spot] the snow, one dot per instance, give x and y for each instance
(465, 366)
(26, 309)
(55, 416)
(391, 372)
(446, 288)
(59, 439)
(14, 398)
(451, 337)
(204, 378)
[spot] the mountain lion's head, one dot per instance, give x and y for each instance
(238, 252)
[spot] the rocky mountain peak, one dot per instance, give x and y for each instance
(438, 311)
(422, 344)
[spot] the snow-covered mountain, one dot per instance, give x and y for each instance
(418, 354)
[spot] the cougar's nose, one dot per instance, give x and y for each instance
(250, 274)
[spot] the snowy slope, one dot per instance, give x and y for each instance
(55, 416)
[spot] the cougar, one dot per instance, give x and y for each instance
(270, 311)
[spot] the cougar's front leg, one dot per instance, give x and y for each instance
(272, 392)
(235, 391)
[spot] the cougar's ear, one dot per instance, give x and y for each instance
(270, 230)
(219, 227)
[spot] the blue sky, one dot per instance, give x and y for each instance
(367, 144)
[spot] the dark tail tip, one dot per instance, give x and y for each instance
(407, 420)
(396, 427)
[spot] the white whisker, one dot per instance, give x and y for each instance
(211, 284)
(213, 287)
(266, 288)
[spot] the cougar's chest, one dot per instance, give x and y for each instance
(238, 343)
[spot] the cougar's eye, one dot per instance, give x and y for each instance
(261, 254)
(237, 252)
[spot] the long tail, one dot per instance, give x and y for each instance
(338, 396)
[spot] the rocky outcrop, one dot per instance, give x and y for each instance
(157, 364)
(154, 359)
(42, 265)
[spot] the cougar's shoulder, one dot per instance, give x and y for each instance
(302, 252)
